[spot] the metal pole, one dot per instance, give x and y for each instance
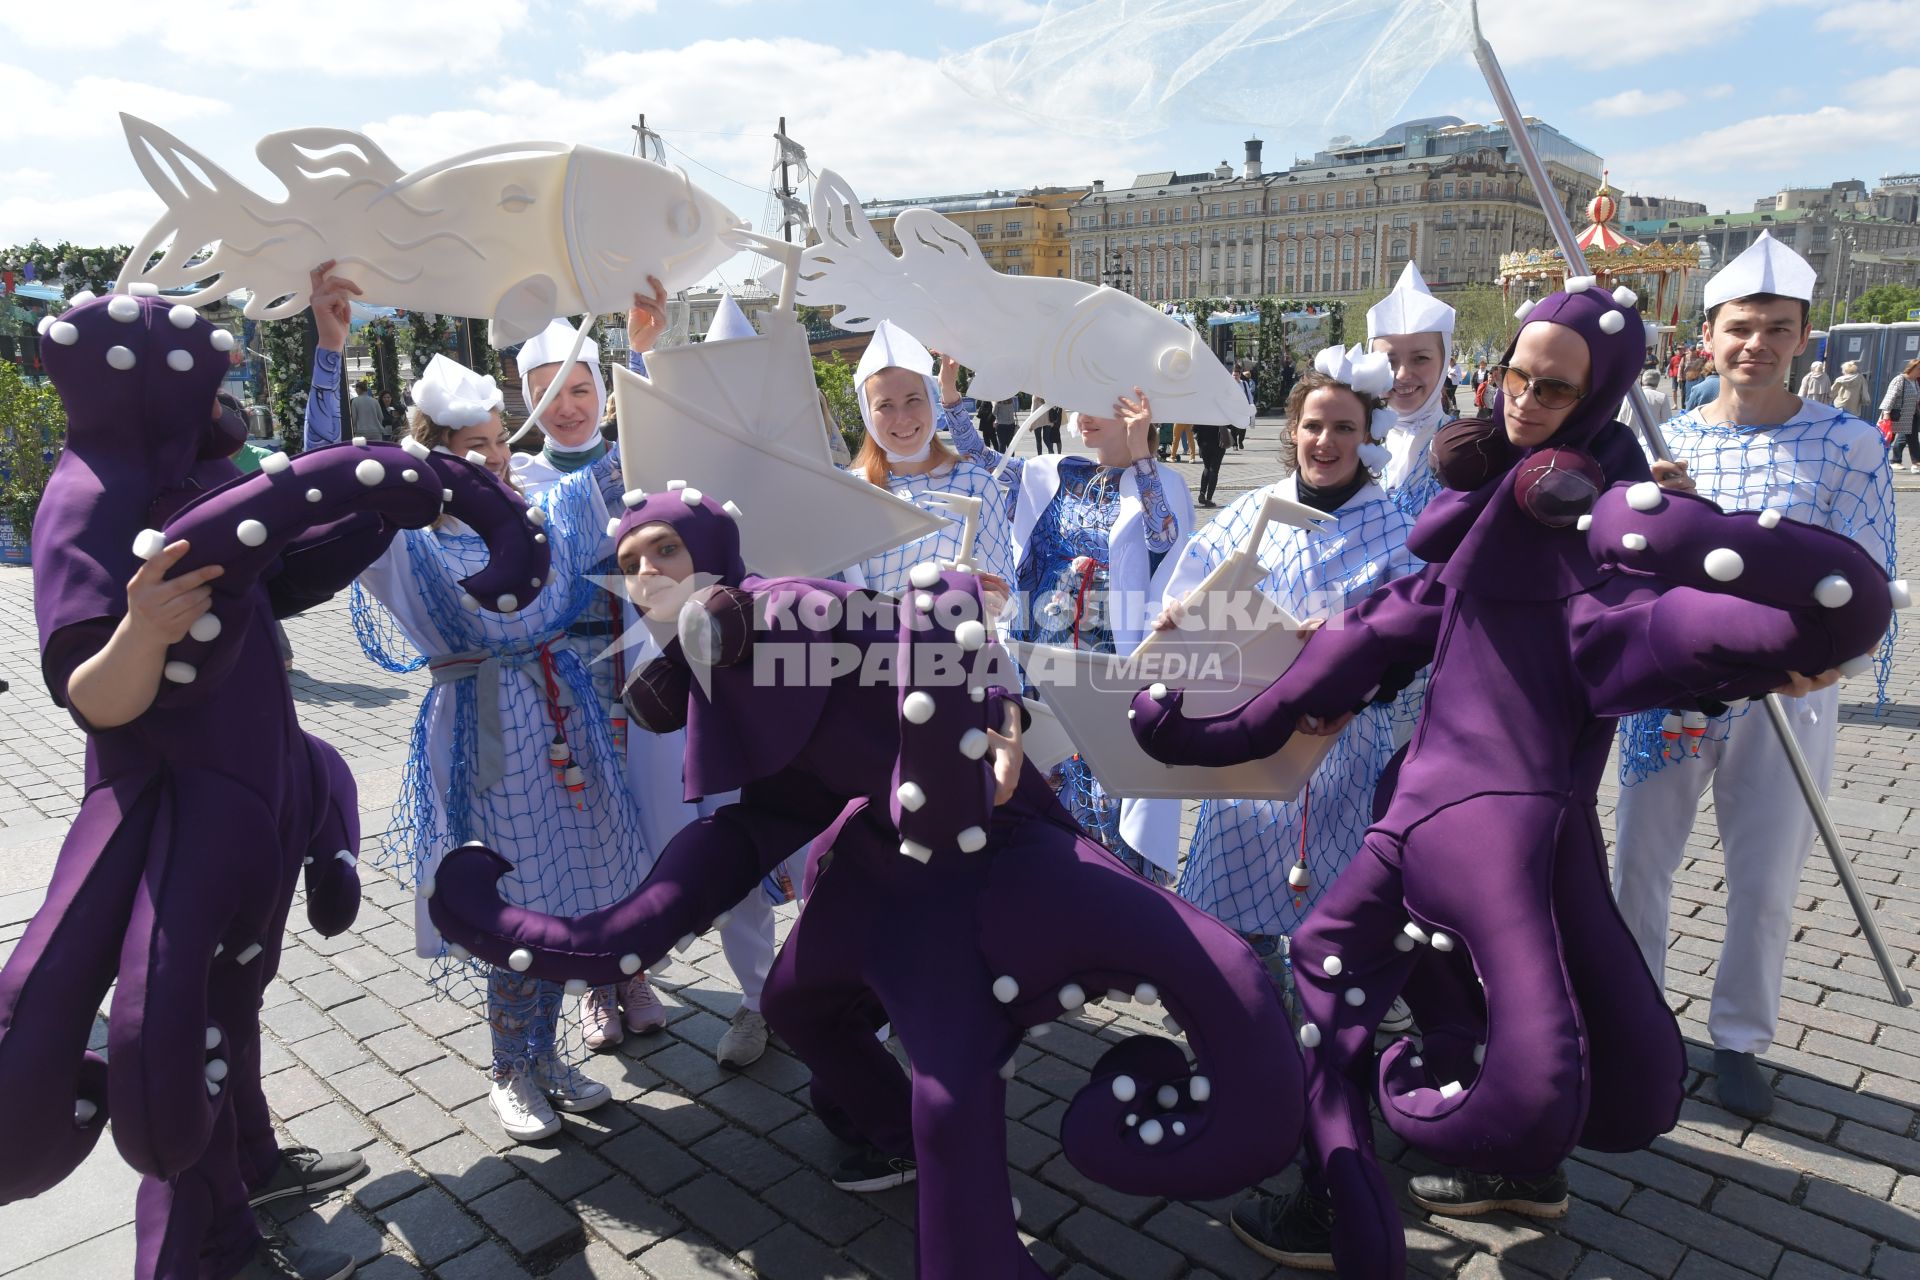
(1643, 416)
(786, 190)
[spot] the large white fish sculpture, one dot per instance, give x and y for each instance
(1071, 344)
(519, 233)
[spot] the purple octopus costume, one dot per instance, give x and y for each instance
(201, 813)
(1564, 588)
(961, 923)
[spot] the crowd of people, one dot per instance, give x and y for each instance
(522, 740)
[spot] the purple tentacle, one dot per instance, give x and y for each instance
(943, 786)
(331, 871)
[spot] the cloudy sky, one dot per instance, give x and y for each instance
(1715, 100)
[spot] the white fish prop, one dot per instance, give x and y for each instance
(518, 233)
(1070, 344)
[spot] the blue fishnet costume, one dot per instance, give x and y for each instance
(1412, 494)
(992, 545)
(1236, 868)
(1824, 468)
(571, 852)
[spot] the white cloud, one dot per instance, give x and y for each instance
(33, 208)
(89, 106)
(1886, 23)
(1717, 91)
(1007, 11)
(1527, 32)
(1638, 102)
(410, 38)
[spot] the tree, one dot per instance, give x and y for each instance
(1884, 303)
(834, 377)
(33, 431)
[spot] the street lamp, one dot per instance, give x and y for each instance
(1118, 275)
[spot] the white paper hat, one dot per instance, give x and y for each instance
(1410, 308)
(1767, 266)
(730, 322)
(892, 348)
(550, 346)
(454, 396)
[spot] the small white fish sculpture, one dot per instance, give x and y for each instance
(1070, 344)
(519, 233)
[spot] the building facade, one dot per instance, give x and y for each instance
(1019, 233)
(1445, 194)
(1850, 251)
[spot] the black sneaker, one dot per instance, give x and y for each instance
(871, 1169)
(277, 1259)
(305, 1172)
(1742, 1085)
(1295, 1229)
(1467, 1195)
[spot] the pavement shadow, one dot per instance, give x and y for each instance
(307, 689)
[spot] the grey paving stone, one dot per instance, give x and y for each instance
(722, 1210)
(295, 1020)
(1798, 1266)
(1623, 1239)
(654, 1161)
(750, 1103)
(789, 1253)
(431, 1226)
(334, 1225)
(1703, 1232)
(688, 1066)
(1206, 1240)
(388, 1266)
(625, 1217)
(295, 1091)
(748, 1159)
(682, 1119)
(1890, 1222)
(330, 1128)
(415, 1122)
(1822, 1161)
(330, 1053)
(529, 1220)
(1794, 1227)
(834, 1215)
(329, 989)
(689, 1257)
(370, 1086)
(486, 1262)
(595, 1262)
(1116, 1249)
(887, 1251)
(560, 1166)
(464, 1168)
(365, 1018)
(449, 1081)
(388, 1178)
(1132, 1210)
(403, 1048)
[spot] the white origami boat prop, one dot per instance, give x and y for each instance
(519, 233)
(1090, 693)
(741, 420)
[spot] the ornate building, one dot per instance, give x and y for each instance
(1020, 233)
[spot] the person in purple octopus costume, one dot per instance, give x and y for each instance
(962, 907)
(1563, 589)
(205, 802)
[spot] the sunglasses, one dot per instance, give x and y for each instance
(1548, 393)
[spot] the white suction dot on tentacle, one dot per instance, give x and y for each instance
(1124, 1089)
(217, 1070)
(633, 498)
(121, 357)
(1769, 518)
(1151, 1132)
(1479, 1054)
(1626, 297)
(1613, 322)
(149, 543)
(246, 956)
(63, 332)
(212, 1039)
(970, 635)
(409, 475)
(46, 322)
(1524, 310)
(1147, 993)
(1724, 564)
(1005, 989)
(1072, 996)
(1132, 1120)
(1179, 1128)
(220, 947)
(1452, 1089)
(205, 628)
(1833, 591)
(221, 340)
(507, 603)
(917, 707)
(914, 849)
(123, 308)
(731, 509)
(691, 496)
(613, 525)
(314, 495)
(576, 986)
(1333, 966)
(1633, 541)
(251, 533)
(446, 495)
(369, 472)
(468, 603)
(1401, 942)
(274, 463)
(1039, 1029)
(973, 744)
(979, 694)
(1584, 523)
(923, 601)
(1900, 594)
(520, 960)
(540, 537)
(1442, 941)
(84, 296)
(630, 964)
(971, 839)
(685, 944)
(1200, 1088)
(1416, 1061)
(1167, 1096)
(181, 316)
(1355, 997)
(180, 672)
(84, 1112)
(1580, 284)
(911, 796)
(1414, 931)
(180, 361)
(1853, 667)
(1016, 1208)
(1157, 691)
(459, 952)
(1130, 713)
(1309, 1036)
(924, 575)
(416, 448)
(144, 289)
(1644, 496)
(1171, 1024)
(474, 456)
(675, 486)
(346, 856)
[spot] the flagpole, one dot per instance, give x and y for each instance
(1576, 261)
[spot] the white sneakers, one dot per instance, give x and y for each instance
(524, 1102)
(644, 1011)
(745, 1040)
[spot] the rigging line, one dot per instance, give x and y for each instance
(715, 172)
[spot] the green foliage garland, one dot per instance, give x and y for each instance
(33, 431)
(67, 266)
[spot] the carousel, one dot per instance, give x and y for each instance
(1657, 272)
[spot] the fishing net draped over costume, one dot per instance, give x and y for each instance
(1348, 64)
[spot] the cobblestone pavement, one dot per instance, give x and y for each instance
(698, 1172)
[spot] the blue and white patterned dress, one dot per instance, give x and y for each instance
(992, 544)
(1242, 850)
